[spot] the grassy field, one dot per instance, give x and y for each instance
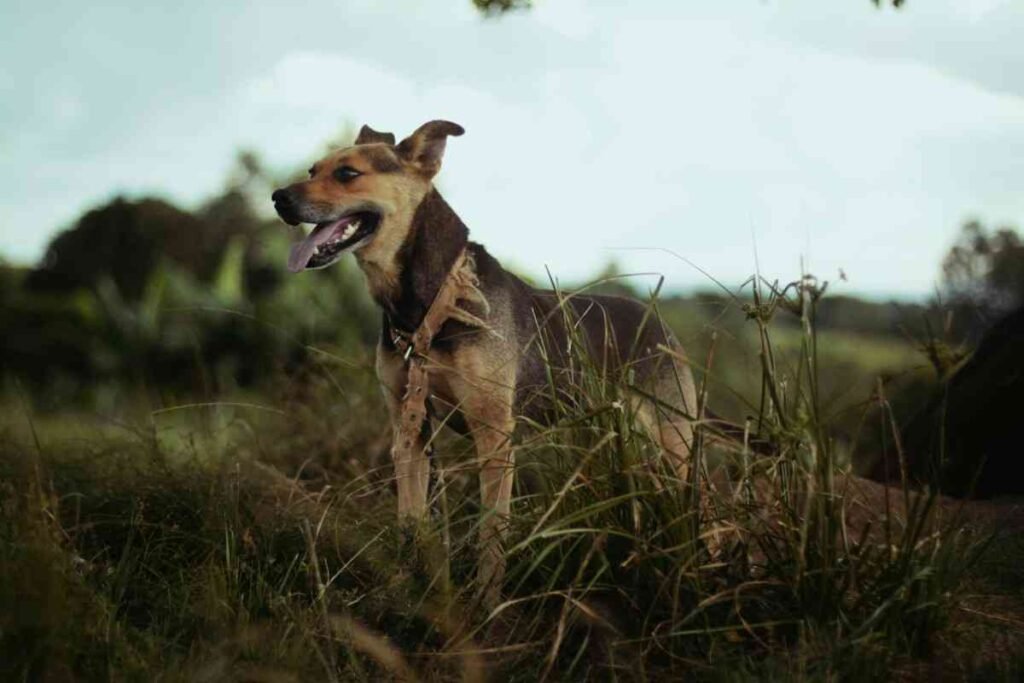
(255, 539)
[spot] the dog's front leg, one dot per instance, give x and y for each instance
(492, 435)
(408, 440)
(483, 384)
(412, 467)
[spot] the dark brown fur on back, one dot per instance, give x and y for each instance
(617, 330)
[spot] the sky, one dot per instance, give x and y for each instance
(692, 139)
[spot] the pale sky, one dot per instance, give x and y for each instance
(832, 132)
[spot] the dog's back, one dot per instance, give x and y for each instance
(622, 339)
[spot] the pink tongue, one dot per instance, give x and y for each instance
(304, 250)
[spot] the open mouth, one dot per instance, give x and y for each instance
(326, 243)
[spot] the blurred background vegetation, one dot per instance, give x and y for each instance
(141, 306)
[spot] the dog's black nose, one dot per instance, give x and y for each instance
(284, 203)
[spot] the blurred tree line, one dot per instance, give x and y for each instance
(930, 391)
(146, 294)
(141, 295)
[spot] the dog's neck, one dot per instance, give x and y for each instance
(435, 238)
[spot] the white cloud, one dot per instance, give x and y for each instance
(805, 152)
(698, 130)
(571, 18)
(977, 10)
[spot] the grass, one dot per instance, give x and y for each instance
(233, 542)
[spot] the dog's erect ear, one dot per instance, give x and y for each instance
(368, 135)
(425, 147)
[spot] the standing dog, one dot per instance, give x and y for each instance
(464, 340)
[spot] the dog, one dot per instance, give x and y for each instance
(480, 358)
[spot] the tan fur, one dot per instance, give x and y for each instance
(396, 194)
(412, 475)
(479, 383)
(378, 258)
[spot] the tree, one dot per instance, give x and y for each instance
(497, 7)
(122, 240)
(983, 275)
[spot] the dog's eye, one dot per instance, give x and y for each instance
(343, 174)
(312, 171)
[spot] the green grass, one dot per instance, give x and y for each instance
(257, 540)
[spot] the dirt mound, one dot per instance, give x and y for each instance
(968, 436)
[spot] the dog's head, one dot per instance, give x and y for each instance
(363, 198)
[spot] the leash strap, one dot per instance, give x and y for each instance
(461, 284)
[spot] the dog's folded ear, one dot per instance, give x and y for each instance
(368, 135)
(425, 147)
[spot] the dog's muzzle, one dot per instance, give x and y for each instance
(285, 205)
(331, 236)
